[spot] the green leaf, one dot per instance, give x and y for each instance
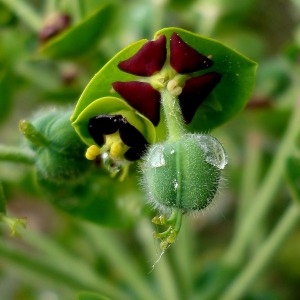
(235, 88)
(2, 200)
(97, 198)
(91, 296)
(112, 105)
(81, 37)
(293, 175)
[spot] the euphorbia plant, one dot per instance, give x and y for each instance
(144, 102)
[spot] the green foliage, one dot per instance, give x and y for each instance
(91, 296)
(58, 150)
(85, 34)
(5, 92)
(89, 231)
(293, 175)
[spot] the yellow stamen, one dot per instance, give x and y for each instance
(115, 145)
(116, 150)
(174, 88)
(92, 152)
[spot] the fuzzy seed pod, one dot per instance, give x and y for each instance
(184, 173)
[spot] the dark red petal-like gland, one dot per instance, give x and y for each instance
(185, 59)
(54, 24)
(195, 91)
(148, 60)
(142, 97)
(132, 138)
(102, 125)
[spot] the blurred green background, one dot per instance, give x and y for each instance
(61, 252)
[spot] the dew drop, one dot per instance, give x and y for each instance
(213, 150)
(157, 157)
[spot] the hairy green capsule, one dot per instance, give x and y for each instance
(184, 173)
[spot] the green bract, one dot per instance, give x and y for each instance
(101, 84)
(235, 88)
(112, 105)
(227, 99)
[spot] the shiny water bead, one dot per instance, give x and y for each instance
(184, 173)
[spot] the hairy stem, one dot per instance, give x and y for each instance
(174, 120)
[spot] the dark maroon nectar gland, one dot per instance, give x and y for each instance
(173, 71)
(54, 24)
(148, 60)
(195, 91)
(185, 59)
(142, 97)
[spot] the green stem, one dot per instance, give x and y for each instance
(107, 245)
(253, 269)
(33, 266)
(25, 12)
(174, 120)
(78, 10)
(264, 197)
(73, 266)
(161, 268)
(51, 7)
(2, 201)
(16, 154)
(250, 174)
(183, 261)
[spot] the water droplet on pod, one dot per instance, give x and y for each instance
(213, 150)
(158, 159)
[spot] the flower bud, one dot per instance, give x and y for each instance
(184, 173)
(59, 151)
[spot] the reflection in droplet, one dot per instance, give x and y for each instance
(157, 157)
(213, 150)
(112, 166)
